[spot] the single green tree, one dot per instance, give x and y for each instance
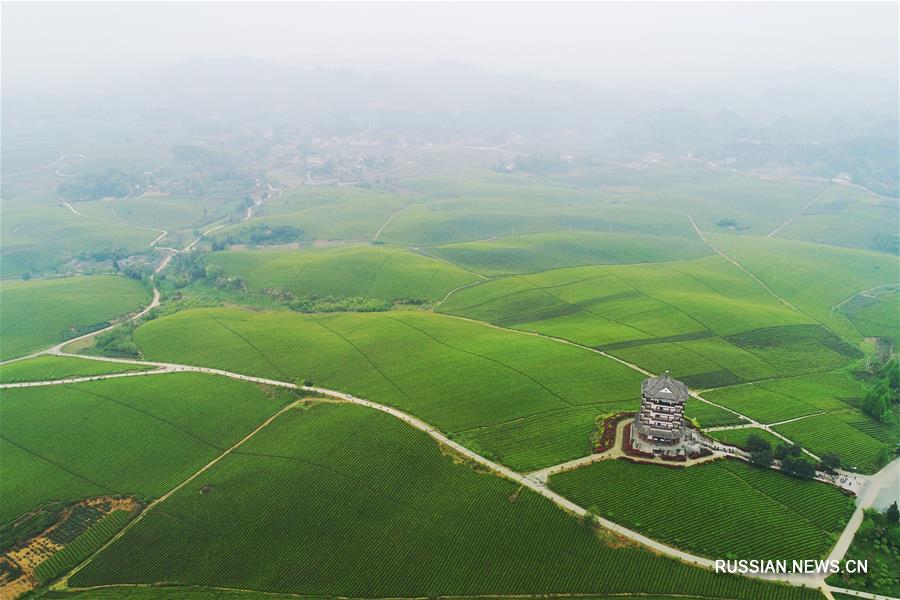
(830, 462)
(893, 513)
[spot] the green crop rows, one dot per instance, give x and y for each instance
(715, 509)
(338, 485)
(42, 368)
(40, 313)
(119, 436)
(454, 374)
(83, 546)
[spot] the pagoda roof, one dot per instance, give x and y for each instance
(665, 388)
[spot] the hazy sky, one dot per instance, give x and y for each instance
(650, 44)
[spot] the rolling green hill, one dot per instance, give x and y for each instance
(381, 272)
(138, 436)
(41, 312)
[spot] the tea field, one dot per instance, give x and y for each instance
(738, 437)
(814, 277)
(326, 213)
(43, 368)
(335, 485)
(39, 313)
(704, 320)
(722, 508)
(136, 435)
(383, 272)
(454, 374)
(37, 236)
(842, 434)
(777, 400)
(532, 253)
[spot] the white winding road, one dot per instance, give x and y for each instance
(888, 477)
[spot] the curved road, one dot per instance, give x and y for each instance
(887, 476)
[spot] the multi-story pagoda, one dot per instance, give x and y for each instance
(659, 426)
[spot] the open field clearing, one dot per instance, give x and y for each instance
(37, 236)
(836, 433)
(328, 213)
(813, 277)
(137, 436)
(782, 399)
(42, 312)
(453, 374)
(337, 485)
(723, 508)
(42, 368)
(543, 251)
(847, 216)
(358, 271)
(704, 320)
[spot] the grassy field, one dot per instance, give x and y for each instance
(454, 374)
(723, 508)
(543, 251)
(382, 272)
(137, 436)
(704, 320)
(41, 368)
(41, 312)
(814, 277)
(338, 485)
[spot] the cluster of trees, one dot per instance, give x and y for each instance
(539, 164)
(186, 267)
(111, 183)
(881, 399)
(877, 541)
(263, 235)
(314, 304)
(793, 461)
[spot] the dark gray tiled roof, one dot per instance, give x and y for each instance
(665, 387)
